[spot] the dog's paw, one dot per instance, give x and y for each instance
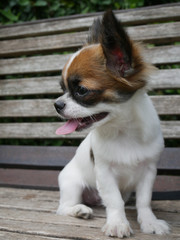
(82, 211)
(155, 226)
(79, 211)
(117, 229)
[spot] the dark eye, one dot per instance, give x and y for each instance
(82, 91)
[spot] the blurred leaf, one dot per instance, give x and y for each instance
(40, 3)
(106, 2)
(95, 1)
(85, 10)
(55, 6)
(9, 15)
(24, 2)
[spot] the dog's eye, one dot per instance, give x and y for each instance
(82, 91)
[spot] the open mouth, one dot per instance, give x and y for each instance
(80, 124)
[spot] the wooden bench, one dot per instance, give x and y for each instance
(32, 57)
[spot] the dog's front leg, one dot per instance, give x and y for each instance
(117, 224)
(148, 221)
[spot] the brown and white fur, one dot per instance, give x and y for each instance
(105, 90)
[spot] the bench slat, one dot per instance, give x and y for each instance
(30, 86)
(166, 79)
(44, 107)
(171, 129)
(76, 23)
(55, 63)
(155, 33)
(47, 179)
(162, 79)
(57, 157)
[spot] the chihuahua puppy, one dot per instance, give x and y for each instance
(105, 86)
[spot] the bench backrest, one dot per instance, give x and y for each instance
(32, 57)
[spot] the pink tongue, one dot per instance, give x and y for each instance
(69, 127)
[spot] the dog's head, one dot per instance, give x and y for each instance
(107, 71)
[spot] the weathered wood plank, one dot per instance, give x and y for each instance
(54, 63)
(57, 157)
(35, 130)
(30, 194)
(41, 179)
(30, 86)
(29, 199)
(166, 79)
(73, 232)
(36, 209)
(81, 22)
(37, 157)
(40, 64)
(36, 45)
(155, 33)
(171, 129)
(97, 222)
(162, 79)
(91, 231)
(47, 201)
(167, 104)
(45, 217)
(44, 107)
(172, 206)
(4, 235)
(48, 179)
(52, 230)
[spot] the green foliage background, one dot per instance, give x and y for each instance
(12, 11)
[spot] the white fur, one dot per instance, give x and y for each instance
(126, 146)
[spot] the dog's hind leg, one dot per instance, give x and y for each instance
(71, 188)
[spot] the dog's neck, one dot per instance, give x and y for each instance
(125, 118)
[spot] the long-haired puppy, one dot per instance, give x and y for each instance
(104, 87)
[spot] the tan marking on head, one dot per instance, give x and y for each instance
(89, 64)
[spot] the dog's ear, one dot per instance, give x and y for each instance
(116, 46)
(94, 35)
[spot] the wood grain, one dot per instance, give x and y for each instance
(77, 232)
(54, 63)
(77, 23)
(20, 236)
(45, 107)
(38, 201)
(155, 33)
(36, 210)
(171, 129)
(30, 86)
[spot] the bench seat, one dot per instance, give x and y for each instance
(32, 55)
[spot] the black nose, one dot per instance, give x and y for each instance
(59, 106)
